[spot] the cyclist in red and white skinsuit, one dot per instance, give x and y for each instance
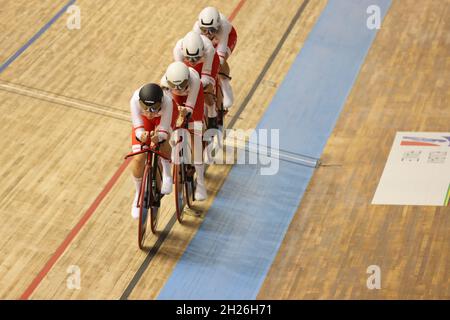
(220, 31)
(197, 51)
(153, 114)
(187, 91)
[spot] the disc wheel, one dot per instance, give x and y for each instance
(189, 185)
(180, 200)
(144, 205)
(155, 197)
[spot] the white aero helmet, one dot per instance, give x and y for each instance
(209, 19)
(177, 76)
(193, 46)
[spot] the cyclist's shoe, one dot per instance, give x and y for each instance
(200, 192)
(212, 123)
(190, 170)
(135, 209)
(221, 114)
(166, 187)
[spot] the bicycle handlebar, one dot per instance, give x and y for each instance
(132, 154)
(153, 150)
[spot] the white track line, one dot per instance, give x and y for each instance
(60, 100)
(241, 144)
(269, 152)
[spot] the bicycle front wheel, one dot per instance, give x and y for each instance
(155, 193)
(144, 204)
(180, 201)
(189, 185)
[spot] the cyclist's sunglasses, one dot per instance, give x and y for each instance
(193, 59)
(150, 106)
(209, 30)
(181, 86)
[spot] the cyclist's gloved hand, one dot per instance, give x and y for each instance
(185, 111)
(144, 137)
(155, 138)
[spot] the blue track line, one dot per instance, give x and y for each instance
(36, 36)
(233, 250)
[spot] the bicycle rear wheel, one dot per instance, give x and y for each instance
(144, 205)
(154, 218)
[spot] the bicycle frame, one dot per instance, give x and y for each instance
(154, 164)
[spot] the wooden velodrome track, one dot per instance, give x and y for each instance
(65, 128)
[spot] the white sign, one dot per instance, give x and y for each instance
(417, 171)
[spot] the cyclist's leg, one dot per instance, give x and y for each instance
(137, 167)
(228, 97)
(211, 93)
(164, 148)
(197, 155)
(167, 182)
(219, 106)
(137, 170)
(196, 128)
(210, 106)
(196, 125)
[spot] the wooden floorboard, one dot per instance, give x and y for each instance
(336, 233)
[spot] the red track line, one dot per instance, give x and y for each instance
(236, 10)
(63, 246)
(51, 262)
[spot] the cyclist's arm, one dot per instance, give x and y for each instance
(196, 28)
(163, 129)
(222, 47)
(136, 119)
(194, 87)
(208, 63)
(177, 52)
